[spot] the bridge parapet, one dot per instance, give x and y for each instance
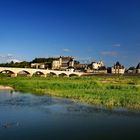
(31, 72)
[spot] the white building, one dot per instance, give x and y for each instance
(97, 65)
(118, 69)
(63, 63)
(38, 65)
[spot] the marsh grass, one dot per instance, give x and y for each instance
(110, 91)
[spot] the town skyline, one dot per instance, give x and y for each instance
(89, 30)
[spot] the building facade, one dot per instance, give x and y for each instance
(38, 65)
(118, 69)
(97, 65)
(63, 63)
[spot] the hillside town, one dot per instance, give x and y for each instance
(68, 63)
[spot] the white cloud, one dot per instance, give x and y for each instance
(84, 60)
(109, 53)
(66, 50)
(116, 45)
(14, 60)
(8, 58)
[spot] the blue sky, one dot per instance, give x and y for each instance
(107, 30)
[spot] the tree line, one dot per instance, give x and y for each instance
(26, 64)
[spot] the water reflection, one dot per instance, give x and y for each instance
(26, 117)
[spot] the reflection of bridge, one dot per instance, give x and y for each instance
(42, 72)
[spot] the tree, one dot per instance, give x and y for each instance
(76, 62)
(132, 68)
(42, 60)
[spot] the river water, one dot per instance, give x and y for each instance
(27, 117)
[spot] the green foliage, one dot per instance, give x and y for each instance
(23, 64)
(42, 60)
(76, 62)
(26, 64)
(132, 68)
(109, 91)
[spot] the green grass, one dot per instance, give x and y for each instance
(110, 91)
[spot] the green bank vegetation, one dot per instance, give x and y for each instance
(110, 91)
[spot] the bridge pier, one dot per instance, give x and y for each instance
(29, 75)
(66, 76)
(43, 75)
(14, 75)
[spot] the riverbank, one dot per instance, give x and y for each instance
(110, 91)
(5, 88)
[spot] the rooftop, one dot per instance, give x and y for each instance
(138, 66)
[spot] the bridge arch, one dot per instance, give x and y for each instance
(38, 73)
(62, 75)
(51, 74)
(7, 72)
(73, 75)
(29, 72)
(84, 75)
(24, 73)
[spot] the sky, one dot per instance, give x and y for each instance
(88, 30)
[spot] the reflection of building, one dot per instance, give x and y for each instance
(63, 63)
(118, 69)
(138, 68)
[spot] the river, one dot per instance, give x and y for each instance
(26, 117)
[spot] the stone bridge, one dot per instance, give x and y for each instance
(42, 72)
